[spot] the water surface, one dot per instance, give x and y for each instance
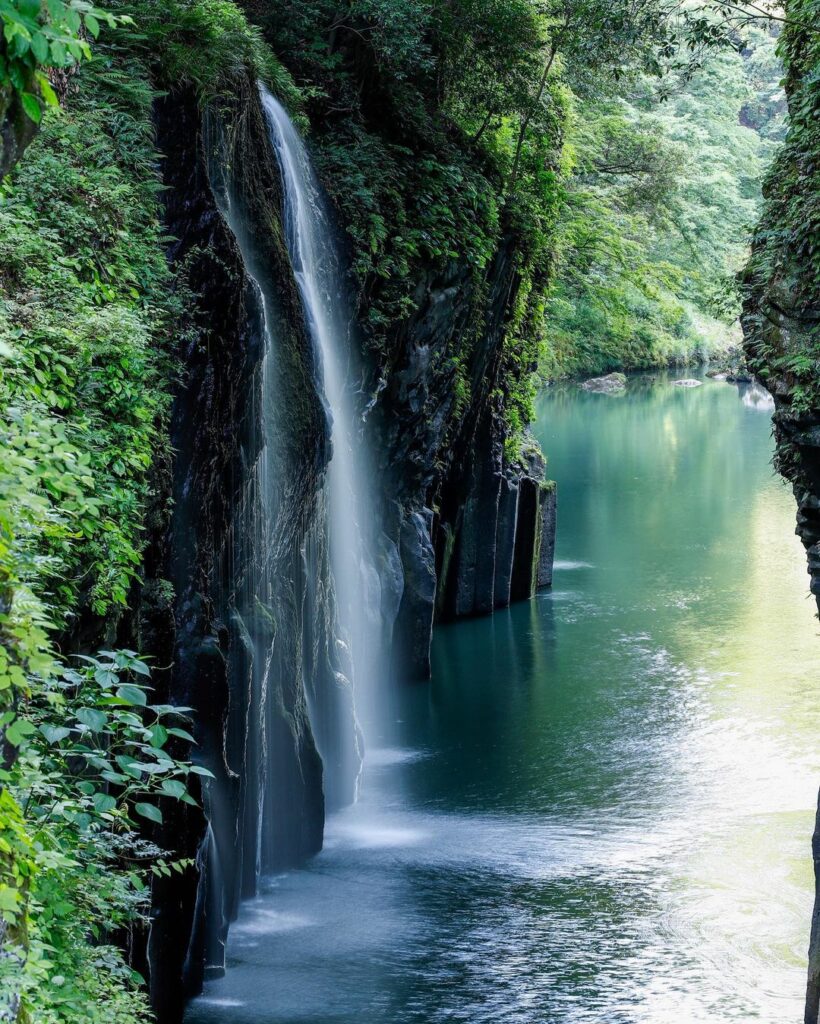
(600, 810)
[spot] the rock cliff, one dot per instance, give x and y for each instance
(252, 636)
(781, 321)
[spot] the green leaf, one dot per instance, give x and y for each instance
(104, 803)
(132, 695)
(149, 811)
(149, 767)
(128, 766)
(54, 733)
(39, 46)
(183, 734)
(95, 720)
(197, 769)
(32, 107)
(106, 676)
(9, 898)
(92, 25)
(46, 91)
(17, 732)
(173, 787)
(159, 736)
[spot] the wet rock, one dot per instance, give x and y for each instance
(505, 537)
(611, 384)
(414, 622)
(687, 382)
(255, 626)
(549, 522)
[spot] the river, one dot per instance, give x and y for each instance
(601, 807)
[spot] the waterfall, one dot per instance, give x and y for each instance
(317, 267)
(294, 615)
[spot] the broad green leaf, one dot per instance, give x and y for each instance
(183, 734)
(95, 720)
(17, 732)
(132, 695)
(104, 803)
(39, 46)
(54, 733)
(32, 107)
(159, 736)
(149, 811)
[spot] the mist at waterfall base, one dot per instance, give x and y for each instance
(601, 808)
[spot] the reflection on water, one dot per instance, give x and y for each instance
(600, 810)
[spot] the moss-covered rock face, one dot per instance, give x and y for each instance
(781, 317)
(449, 272)
(781, 321)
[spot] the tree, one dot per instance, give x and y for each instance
(39, 38)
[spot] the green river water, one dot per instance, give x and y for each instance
(600, 809)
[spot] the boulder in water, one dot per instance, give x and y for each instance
(609, 385)
(687, 382)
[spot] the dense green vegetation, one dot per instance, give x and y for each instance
(663, 194)
(618, 151)
(785, 265)
(86, 306)
(90, 316)
(446, 133)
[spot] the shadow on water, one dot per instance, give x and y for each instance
(601, 807)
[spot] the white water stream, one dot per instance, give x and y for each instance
(314, 256)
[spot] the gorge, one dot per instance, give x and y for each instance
(294, 300)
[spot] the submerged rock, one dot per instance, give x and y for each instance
(687, 382)
(611, 384)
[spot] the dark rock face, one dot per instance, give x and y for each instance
(253, 633)
(475, 531)
(781, 325)
(16, 128)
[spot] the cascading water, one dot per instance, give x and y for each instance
(316, 264)
(296, 618)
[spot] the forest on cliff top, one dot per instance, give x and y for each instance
(619, 150)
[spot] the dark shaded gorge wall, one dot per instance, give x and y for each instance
(252, 635)
(781, 322)
(251, 639)
(475, 530)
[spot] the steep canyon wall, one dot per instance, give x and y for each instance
(781, 321)
(252, 636)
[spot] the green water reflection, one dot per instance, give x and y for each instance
(601, 808)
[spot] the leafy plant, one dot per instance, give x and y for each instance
(94, 764)
(42, 34)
